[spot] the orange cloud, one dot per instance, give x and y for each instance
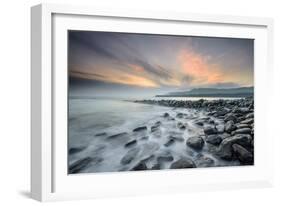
(133, 80)
(116, 76)
(198, 67)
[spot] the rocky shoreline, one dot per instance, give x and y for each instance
(206, 131)
(234, 138)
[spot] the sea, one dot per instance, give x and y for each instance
(91, 120)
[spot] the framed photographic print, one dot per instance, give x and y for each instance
(133, 102)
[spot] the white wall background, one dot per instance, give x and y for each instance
(15, 104)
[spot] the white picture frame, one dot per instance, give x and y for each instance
(49, 179)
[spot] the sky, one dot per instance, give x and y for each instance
(107, 62)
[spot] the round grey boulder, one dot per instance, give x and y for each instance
(214, 139)
(183, 163)
(208, 130)
(195, 142)
(243, 155)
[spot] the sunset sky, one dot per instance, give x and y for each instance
(158, 62)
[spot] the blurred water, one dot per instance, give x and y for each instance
(91, 116)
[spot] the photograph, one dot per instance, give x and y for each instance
(146, 102)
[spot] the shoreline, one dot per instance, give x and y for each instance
(201, 133)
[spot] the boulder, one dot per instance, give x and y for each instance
(181, 126)
(166, 114)
(101, 134)
(140, 129)
(179, 115)
(250, 115)
(122, 134)
(169, 142)
(129, 156)
(154, 128)
(183, 163)
(140, 166)
(230, 126)
(117, 135)
(247, 121)
(223, 111)
(243, 131)
(230, 116)
(244, 156)
(165, 158)
(220, 128)
(75, 150)
(214, 139)
(179, 139)
(240, 126)
(205, 162)
(225, 148)
(208, 130)
(199, 122)
(81, 164)
(195, 142)
(131, 143)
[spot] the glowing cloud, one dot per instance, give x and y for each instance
(198, 67)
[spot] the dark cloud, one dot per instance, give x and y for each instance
(85, 74)
(111, 46)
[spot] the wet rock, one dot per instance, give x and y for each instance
(140, 129)
(243, 154)
(211, 121)
(154, 128)
(183, 163)
(158, 123)
(101, 134)
(220, 128)
(181, 126)
(169, 142)
(75, 150)
(240, 126)
(175, 138)
(139, 167)
(79, 165)
(195, 142)
(247, 121)
(166, 114)
(165, 158)
(214, 139)
(223, 111)
(224, 135)
(208, 130)
(225, 148)
(199, 122)
(229, 117)
(179, 115)
(243, 131)
(250, 115)
(131, 143)
(230, 126)
(129, 156)
(244, 110)
(117, 135)
(205, 162)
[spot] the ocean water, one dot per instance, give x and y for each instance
(105, 117)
